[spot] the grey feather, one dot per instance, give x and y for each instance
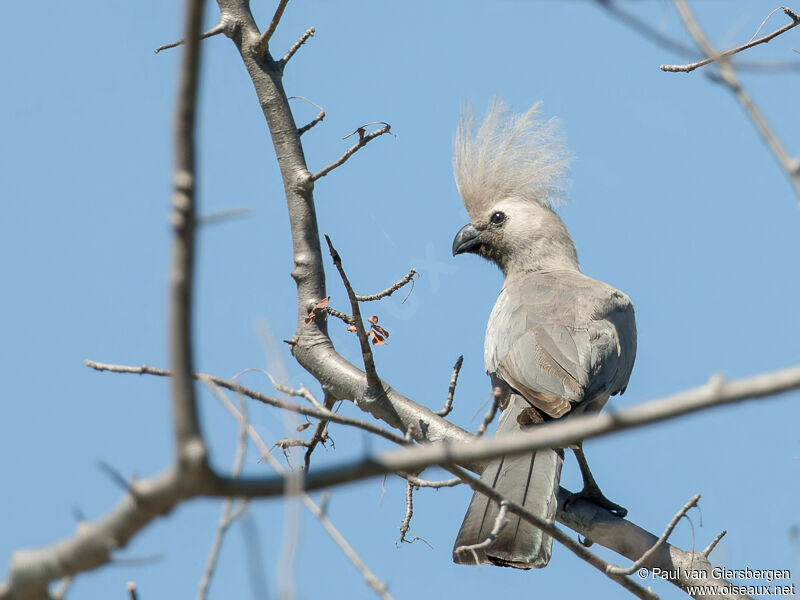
(532, 482)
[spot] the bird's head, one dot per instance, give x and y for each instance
(509, 173)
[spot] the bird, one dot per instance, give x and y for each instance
(558, 343)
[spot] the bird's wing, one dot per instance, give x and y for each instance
(556, 339)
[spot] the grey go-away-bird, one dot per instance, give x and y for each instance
(557, 343)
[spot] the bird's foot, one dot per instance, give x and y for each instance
(595, 496)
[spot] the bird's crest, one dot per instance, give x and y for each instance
(510, 155)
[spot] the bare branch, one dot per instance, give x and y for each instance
(555, 434)
(190, 446)
(302, 391)
(216, 30)
(340, 315)
(317, 119)
(499, 522)
(363, 140)
(409, 277)
(317, 510)
(490, 414)
(30, 570)
(374, 384)
(657, 37)
(115, 476)
(131, 585)
(320, 434)
(448, 403)
(714, 542)
(311, 345)
(789, 164)
(644, 558)
(240, 389)
(262, 45)
(228, 514)
(296, 46)
(420, 483)
(369, 577)
(688, 68)
(405, 524)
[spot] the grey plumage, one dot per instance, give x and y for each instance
(557, 342)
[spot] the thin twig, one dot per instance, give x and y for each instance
(657, 37)
(216, 30)
(714, 543)
(557, 434)
(131, 585)
(499, 522)
(409, 277)
(790, 165)
(318, 511)
(490, 414)
(238, 388)
(286, 443)
(228, 514)
(296, 46)
(317, 119)
(340, 315)
(32, 569)
(374, 385)
(363, 140)
(714, 57)
(263, 42)
(302, 391)
(420, 483)
(448, 403)
(320, 433)
(615, 570)
(405, 524)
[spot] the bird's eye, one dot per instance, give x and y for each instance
(497, 218)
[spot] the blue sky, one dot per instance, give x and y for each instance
(674, 200)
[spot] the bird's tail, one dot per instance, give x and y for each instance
(529, 480)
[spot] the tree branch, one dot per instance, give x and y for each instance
(240, 389)
(653, 34)
(409, 277)
(296, 46)
(190, 446)
(315, 120)
(363, 140)
(728, 76)
(374, 384)
(216, 30)
(448, 403)
(262, 45)
(228, 514)
(644, 558)
(318, 511)
(91, 546)
(688, 68)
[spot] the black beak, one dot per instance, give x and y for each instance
(467, 240)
